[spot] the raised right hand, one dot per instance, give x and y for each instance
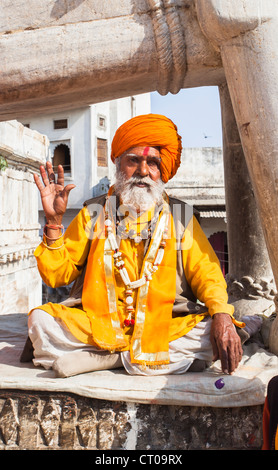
(54, 195)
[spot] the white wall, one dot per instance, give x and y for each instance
(25, 150)
(200, 178)
(81, 136)
(78, 137)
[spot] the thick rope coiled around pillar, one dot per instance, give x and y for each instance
(170, 45)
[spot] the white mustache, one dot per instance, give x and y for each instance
(144, 180)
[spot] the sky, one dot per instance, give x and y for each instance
(196, 113)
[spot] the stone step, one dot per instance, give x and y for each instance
(55, 421)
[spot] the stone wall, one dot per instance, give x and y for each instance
(23, 150)
(200, 178)
(54, 421)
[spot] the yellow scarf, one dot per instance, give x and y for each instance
(153, 312)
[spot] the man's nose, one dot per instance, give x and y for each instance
(143, 169)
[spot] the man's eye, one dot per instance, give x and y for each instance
(153, 163)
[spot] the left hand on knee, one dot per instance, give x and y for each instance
(226, 343)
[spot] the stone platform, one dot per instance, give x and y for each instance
(108, 410)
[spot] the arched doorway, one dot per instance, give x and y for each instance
(219, 243)
(61, 156)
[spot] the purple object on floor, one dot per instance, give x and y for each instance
(219, 383)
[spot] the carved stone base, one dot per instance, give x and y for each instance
(251, 296)
(39, 421)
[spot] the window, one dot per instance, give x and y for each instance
(102, 152)
(101, 122)
(60, 124)
(61, 156)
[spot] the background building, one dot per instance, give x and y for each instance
(200, 182)
(80, 140)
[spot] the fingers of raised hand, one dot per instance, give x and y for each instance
(60, 179)
(38, 182)
(51, 174)
(47, 174)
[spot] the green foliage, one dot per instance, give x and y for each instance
(3, 163)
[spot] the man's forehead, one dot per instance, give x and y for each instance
(143, 151)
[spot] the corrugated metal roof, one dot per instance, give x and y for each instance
(215, 214)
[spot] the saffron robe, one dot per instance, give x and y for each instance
(197, 276)
(270, 416)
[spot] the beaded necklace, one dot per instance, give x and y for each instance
(120, 264)
(124, 232)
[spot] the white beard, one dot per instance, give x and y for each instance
(135, 197)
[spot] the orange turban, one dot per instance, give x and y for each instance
(152, 130)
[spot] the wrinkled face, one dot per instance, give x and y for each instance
(138, 178)
(141, 162)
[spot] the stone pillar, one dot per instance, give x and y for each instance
(246, 35)
(250, 279)
(23, 151)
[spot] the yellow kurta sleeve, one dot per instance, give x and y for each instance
(59, 267)
(203, 272)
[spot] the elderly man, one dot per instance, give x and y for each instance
(149, 294)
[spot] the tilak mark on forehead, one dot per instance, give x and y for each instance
(146, 151)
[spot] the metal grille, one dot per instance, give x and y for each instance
(61, 124)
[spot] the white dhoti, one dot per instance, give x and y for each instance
(52, 340)
(182, 351)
